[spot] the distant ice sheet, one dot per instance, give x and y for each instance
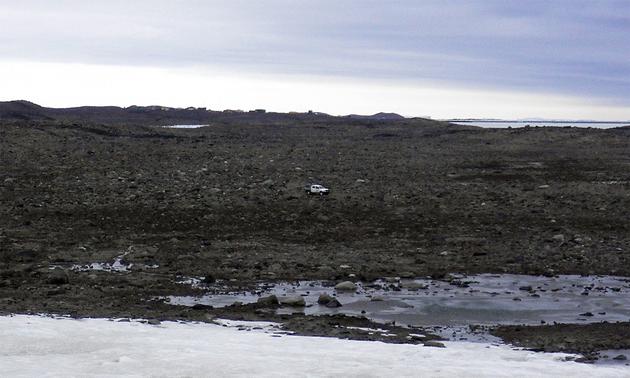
(513, 124)
(35, 346)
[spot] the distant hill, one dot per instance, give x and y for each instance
(160, 115)
(144, 115)
(23, 110)
(378, 116)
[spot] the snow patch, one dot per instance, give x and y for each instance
(41, 346)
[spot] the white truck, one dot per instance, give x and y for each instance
(316, 189)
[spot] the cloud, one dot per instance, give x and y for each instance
(566, 47)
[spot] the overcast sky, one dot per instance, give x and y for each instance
(504, 59)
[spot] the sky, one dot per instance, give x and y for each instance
(565, 59)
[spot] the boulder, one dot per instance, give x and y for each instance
(201, 307)
(346, 286)
(296, 301)
(209, 279)
(270, 301)
(324, 299)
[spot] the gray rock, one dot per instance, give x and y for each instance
(414, 286)
(324, 299)
(296, 301)
(620, 357)
(558, 238)
(268, 182)
(346, 286)
(208, 279)
(333, 303)
(58, 276)
(434, 344)
(269, 301)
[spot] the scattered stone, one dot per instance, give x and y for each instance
(377, 298)
(346, 286)
(587, 314)
(586, 360)
(526, 288)
(154, 322)
(620, 357)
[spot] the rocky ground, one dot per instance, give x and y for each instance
(585, 339)
(409, 198)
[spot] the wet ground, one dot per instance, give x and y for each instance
(478, 299)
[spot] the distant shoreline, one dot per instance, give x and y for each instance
(531, 123)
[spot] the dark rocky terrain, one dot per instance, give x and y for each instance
(410, 197)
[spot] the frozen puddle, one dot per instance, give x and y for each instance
(35, 346)
(116, 266)
(185, 126)
(480, 299)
